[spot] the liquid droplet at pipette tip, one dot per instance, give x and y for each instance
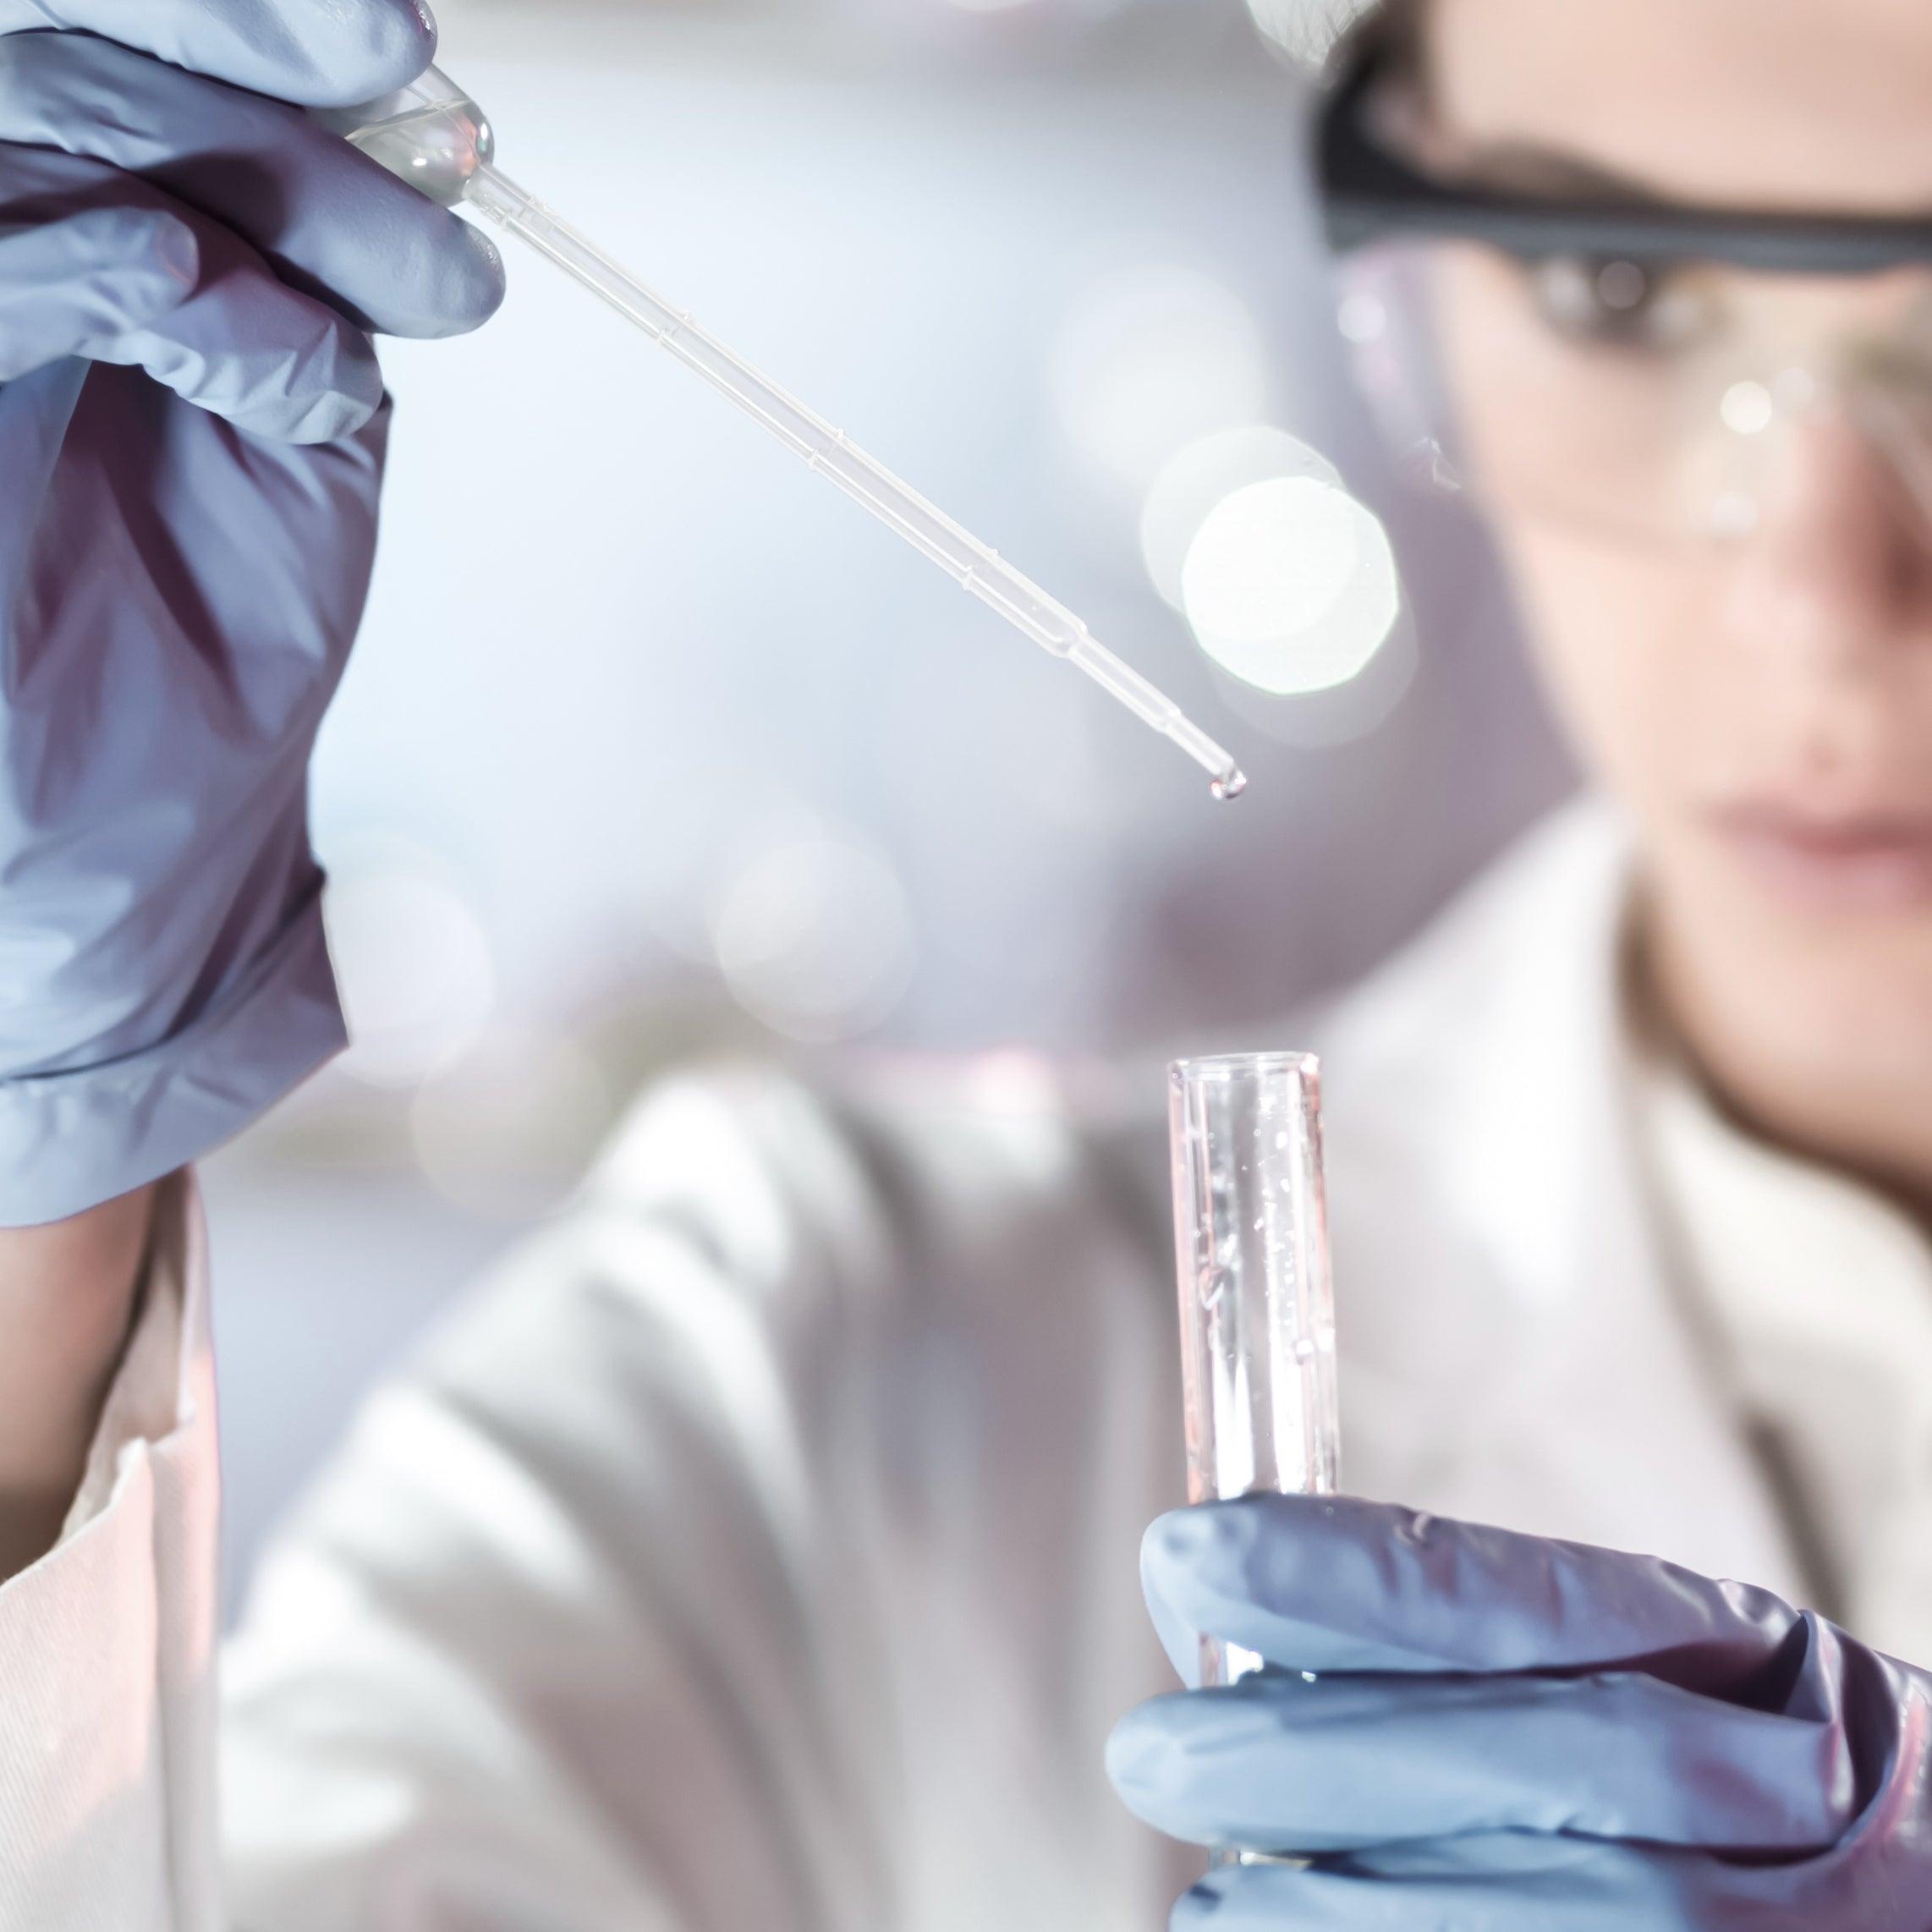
(1231, 784)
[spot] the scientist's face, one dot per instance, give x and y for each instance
(1729, 579)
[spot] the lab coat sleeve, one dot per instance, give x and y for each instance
(576, 1632)
(106, 1699)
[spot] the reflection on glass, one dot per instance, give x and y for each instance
(1257, 1310)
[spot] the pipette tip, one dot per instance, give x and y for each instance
(1231, 784)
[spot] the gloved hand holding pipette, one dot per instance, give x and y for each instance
(1472, 1727)
(192, 429)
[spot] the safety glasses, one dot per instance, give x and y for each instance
(1607, 357)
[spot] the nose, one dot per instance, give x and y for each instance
(1836, 573)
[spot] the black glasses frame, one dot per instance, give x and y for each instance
(1371, 192)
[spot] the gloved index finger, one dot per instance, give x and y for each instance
(318, 53)
(1329, 1583)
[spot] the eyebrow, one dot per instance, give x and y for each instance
(1521, 169)
(1505, 167)
(1387, 167)
(1410, 123)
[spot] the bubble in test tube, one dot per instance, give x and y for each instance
(1290, 585)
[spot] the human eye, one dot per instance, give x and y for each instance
(1616, 303)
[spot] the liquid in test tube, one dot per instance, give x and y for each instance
(1257, 1304)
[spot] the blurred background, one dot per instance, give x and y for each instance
(655, 748)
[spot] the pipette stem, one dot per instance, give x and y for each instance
(835, 457)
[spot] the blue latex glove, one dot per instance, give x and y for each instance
(1507, 1733)
(192, 427)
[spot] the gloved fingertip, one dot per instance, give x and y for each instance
(174, 251)
(478, 283)
(1138, 1752)
(1167, 1549)
(365, 49)
(1186, 1549)
(149, 251)
(1152, 1779)
(344, 390)
(72, 286)
(457, 284)
(403, 41)
(1223, 1540)
(1175, 1537)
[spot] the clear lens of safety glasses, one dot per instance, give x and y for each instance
(1656, 401)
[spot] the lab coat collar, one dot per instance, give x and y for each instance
(1598, 1417)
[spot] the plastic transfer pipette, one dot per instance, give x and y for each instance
(436, 137)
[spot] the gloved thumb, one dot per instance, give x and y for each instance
(317, 54)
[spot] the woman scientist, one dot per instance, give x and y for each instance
(757, 1551)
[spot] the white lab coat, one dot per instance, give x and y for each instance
(758, 1552)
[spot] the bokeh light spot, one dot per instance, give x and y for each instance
(1290, 585)
(507, 1130)
(1747, 407)
(814, 935)
(1208, 470)
(412, 964)
(1148, 362)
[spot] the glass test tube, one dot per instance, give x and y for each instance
(1257, 1307)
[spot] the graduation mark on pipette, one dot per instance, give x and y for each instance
(435, 136)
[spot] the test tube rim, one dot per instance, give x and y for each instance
(1220, 1068)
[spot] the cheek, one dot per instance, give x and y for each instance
(1622, 641)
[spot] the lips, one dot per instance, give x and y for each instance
(1861, 861)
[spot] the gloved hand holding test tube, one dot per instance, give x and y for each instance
(432, 134)
(1411, 1720)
